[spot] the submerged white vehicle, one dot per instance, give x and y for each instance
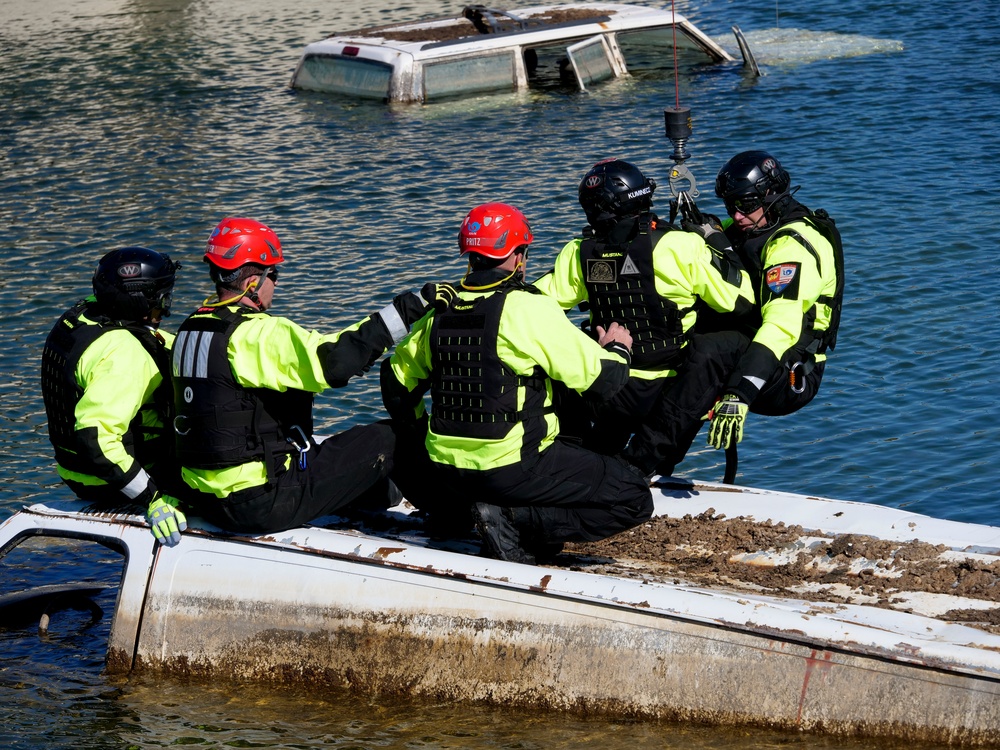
(488, 49)
(383, 607)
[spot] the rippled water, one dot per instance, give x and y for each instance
(146, 122)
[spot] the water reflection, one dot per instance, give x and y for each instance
(173, 712)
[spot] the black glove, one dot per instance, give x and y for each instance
(411, 307)
(438, 296)
(706, 226)
(693, 220)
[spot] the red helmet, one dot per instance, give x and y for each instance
(236, 242)
(494, 230)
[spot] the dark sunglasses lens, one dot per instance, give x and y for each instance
(272, 274)
(745, 204)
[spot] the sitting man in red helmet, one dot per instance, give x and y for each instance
(243, 389)
(489, 360)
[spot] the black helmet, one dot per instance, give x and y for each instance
(131, 282)
(614, 189)
(750, 180)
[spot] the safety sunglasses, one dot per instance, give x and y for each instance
(745, 204)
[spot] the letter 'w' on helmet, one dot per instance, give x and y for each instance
(494, 230)
(237, 241)
(131, 282)
(614, 189)
(746, 180)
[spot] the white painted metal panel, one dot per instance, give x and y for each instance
(341, 607)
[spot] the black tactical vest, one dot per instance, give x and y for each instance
(219, 422)
(621, 287)
(474, 393)
(66, 343)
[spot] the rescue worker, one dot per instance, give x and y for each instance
(244, 383)
(795, 259)
(106, 387)
(490, 361)
(631, 268)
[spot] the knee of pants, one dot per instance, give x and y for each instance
(632, 494)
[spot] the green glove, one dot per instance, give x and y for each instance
(166, 519)
(727, 417)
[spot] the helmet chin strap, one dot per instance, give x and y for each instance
(250, 293)
(516, 274)
(761, 223)
(774, 206)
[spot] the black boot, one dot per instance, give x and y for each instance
(643, 471)
(448, 524)
(532, 535)
(500, 538)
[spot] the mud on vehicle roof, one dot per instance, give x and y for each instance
(477, 20)
(481, 50)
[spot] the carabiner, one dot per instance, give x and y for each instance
(302, 449)
(797, 384)
(677, 174)
(177, 429)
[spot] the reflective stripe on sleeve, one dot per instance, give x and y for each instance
(397, 328)
(137, 486)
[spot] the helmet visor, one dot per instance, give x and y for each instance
(166, 299)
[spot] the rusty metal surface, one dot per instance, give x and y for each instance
(677, 671)
(279, 615)
(324, 606)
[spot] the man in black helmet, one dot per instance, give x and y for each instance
(632, 269)
(795, 259)
(106, 387)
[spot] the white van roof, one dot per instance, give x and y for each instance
(397, 54)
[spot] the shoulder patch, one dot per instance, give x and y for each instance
(779, 277)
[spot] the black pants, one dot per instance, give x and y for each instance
(606, 427)
(777, 398)
(344, 468)
(569, 493)
(663, 439)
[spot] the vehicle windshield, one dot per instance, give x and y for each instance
(649, 51)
